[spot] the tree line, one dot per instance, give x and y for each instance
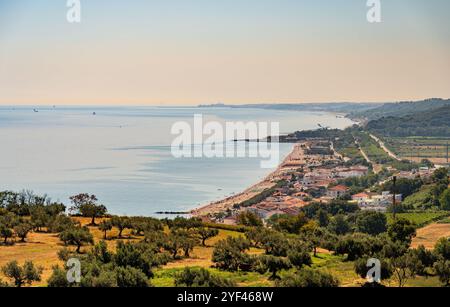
(287, 245)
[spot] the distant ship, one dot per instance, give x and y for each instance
(35, 111)
(93, 113)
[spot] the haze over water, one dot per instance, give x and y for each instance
(123, 155)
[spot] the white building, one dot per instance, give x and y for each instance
(378, 202)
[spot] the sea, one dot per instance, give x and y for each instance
(123, 154)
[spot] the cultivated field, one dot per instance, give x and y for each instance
(418, 148)
(429, 235)
(420, 218)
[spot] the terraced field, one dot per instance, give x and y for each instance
(418, 148)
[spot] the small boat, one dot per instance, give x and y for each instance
(93, 113)
(35, 111)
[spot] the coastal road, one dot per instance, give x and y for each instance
(383, 146)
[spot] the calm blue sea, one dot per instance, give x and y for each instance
(123, 155)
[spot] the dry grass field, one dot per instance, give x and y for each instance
(42, 249)
(201, 256)
(429, 235)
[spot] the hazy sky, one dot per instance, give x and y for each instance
(178, 52)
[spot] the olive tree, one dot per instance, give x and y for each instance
(190, 277)
(5, 233)
(444, 200)
(206, 233)
(299, 255)
(22, 231)
(371, 222)
(442, 249)
(339, 225)
(87, 206)
(77, 236)
(309, 278)
(442, 269)
(129, 277)
(22, 275)
(229, 254)
(402, 230)
(404, 267)
(105, 226)
(272, 264)
(122, 223)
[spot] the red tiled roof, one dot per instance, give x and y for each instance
(339, 188)
(361, 195)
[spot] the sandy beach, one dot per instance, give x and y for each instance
(293, 161)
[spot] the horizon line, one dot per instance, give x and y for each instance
(169, 105)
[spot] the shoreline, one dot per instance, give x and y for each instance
(223, 205)
(293, 160)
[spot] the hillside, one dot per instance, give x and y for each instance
(401, 109)
(341, 107)
(430, 123)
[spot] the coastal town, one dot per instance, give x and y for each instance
(312, 173)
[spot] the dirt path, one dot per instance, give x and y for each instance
(376, 167)
(365, 155)
(383, 146)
